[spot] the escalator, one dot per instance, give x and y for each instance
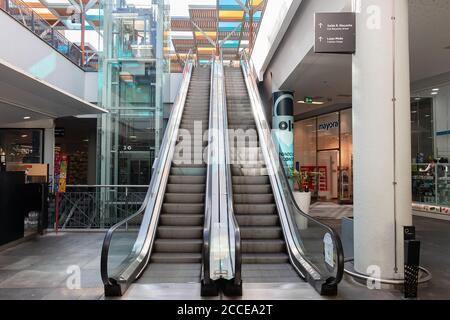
(164, 242)
(264, 254)
(279, 243)
(177, 253)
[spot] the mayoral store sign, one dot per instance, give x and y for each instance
(335, 32)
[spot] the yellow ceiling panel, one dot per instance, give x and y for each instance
(231, 15)
(206, 50)
(255, 3)
(211, 34)
(44, 13)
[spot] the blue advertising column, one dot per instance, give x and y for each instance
(283, 125)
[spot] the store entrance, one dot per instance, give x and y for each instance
(328, 163)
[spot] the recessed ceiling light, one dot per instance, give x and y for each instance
(314, 102)
(26, 118)
(434, 93)
(24, 136)
(435, 89)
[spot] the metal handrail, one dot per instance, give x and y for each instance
(206, 250)
(56, 37)
(272, 158)
(137, 260)
(233, 224)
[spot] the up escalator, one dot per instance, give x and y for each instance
(279, 242)
(177, 253)
(264, 254)
(164, 242)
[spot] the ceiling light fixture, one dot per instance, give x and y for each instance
(435, 93)
(435, 89)
(314, 102)
(26, 118)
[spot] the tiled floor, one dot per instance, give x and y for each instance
(39, 269)
(42, 268)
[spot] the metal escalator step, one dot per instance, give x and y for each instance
(236, 171)
(190, 164)
(253, 220)
(187, 180)
(247, 198)
(254, 189)
(183, 208)
(184, 197)
(178, 245)
(261, 232)
(188, 171)
(263, 246)
(187, 219)
(257, 180)
(264, 258)
(176, 232)
(255, 209)
(159, 257)
(180, 188)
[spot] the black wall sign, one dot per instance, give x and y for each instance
(335, 32)
(60, 132)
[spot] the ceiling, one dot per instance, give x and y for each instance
(26, 98)
(328, 78)
(226, 22)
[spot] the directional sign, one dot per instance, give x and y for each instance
(335, 32)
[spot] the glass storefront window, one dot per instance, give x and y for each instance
(21, 145)
(328, 131)
(305, 142)
(324, 145)
(422, 148)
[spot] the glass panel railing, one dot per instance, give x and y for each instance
(127, 245)
(314, 248)
(25, 15)
(431, 183)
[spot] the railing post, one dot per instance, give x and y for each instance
(126, 202)
(32, 21)
(52, 37)
(436, 180)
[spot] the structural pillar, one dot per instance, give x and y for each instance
(381, 137)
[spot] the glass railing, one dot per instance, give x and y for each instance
(127, 245)
(25, 15)
(315, 249)
(431, 184)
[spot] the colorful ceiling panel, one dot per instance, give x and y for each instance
(227, 23)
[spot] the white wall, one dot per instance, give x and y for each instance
(277, 17)
(299, 38)
(23, 49)
(91, 87)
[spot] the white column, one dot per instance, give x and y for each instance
(381, 136)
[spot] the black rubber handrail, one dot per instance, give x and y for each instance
(330, 282)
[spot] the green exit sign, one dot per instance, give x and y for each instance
(309, 100)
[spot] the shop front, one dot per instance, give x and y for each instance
(323, 147)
